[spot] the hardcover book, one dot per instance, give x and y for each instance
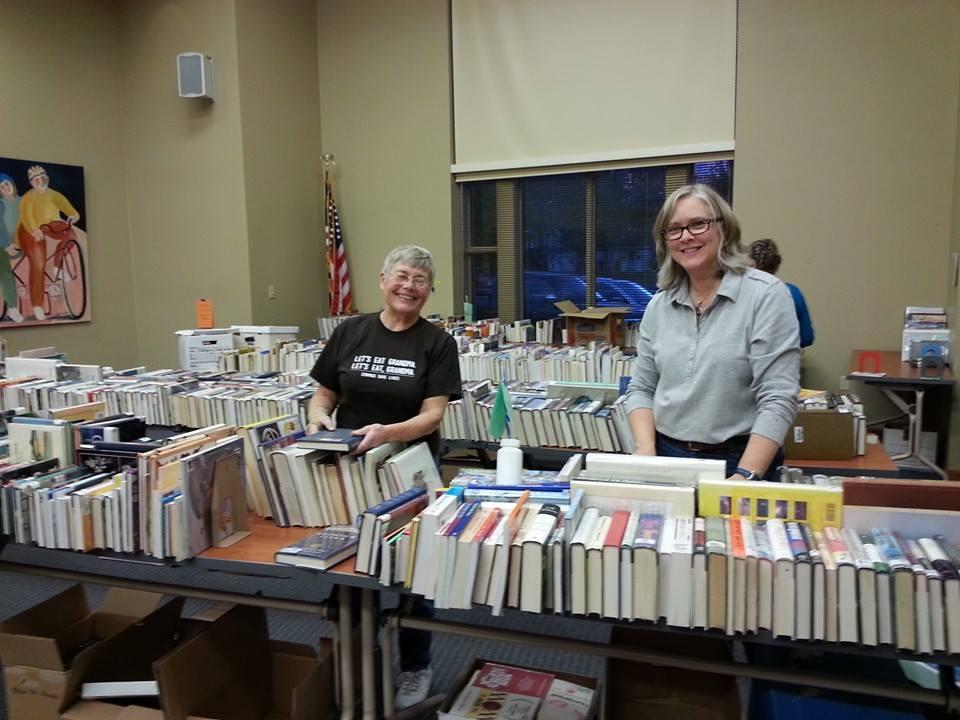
(322, 550)
(339, 440)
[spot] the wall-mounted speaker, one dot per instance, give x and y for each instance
(195, 75)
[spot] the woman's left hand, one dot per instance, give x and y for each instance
(373, 435)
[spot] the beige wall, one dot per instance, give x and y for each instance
(280, 118)
(185, 175)
(385, 103)
(846, 155)
(61, 97)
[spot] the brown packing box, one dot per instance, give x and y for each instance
(33, 644)
(594, 323)
(651, 692)
(246, 675)
(127, 656)
(821, 435)
(465, 676)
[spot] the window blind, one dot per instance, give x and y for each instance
(540, 83)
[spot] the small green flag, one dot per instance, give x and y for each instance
(500, 415)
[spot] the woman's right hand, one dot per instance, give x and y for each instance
(323, 422)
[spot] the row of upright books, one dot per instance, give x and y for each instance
(312, 481)
(595, 362)
(117, 490)
(772, 557)
(588, 416)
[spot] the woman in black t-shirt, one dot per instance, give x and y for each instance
(390, 375)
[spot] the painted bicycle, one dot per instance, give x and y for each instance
(65, 277)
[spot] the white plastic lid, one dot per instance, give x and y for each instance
(509, 442)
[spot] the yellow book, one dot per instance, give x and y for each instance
(816, 505)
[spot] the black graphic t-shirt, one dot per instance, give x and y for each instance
(381, 376)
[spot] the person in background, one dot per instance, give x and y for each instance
(390, 375)
(9, 217)
(766, 257)
(38, 206)
(718, 359)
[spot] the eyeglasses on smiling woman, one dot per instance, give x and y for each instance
(419, 281)
(697, 227)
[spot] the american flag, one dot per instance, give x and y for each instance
(341, 302)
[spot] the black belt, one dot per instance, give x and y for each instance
(737, 442)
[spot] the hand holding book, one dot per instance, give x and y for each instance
(372, 435)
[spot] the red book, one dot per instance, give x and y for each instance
(618, 523)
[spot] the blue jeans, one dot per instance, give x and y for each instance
(731, 456)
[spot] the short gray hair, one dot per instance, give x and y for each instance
(411, 255)
(730, 255)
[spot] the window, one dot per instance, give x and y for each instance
(529, 242)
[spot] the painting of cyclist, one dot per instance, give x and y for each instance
(39, 206)
(9, 217)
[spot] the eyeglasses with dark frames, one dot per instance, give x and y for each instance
(697, 227)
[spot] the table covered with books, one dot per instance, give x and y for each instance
(668, 545)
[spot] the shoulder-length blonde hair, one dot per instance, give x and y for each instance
(730, 255)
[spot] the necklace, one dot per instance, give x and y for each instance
(698, 304)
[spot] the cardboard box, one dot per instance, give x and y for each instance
(821, 435)
(651, 692)
(245, 675)
(264, 337)
(33, 646)
(465, 676)
(594, 323)
(201, 349)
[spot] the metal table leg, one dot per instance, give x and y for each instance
(346, 654)
(368, 613)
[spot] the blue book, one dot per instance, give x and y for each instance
(323, 550)
(392, 503)
(339, 440)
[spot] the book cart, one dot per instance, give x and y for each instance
(242, 577)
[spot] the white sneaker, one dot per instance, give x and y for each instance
(14, 314)
(39, 314)
(412, 688)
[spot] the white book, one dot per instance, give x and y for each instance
(848, 613)
(866, 587)
(752, 620)
(922, 587)
(680, 611)
(783, 579)
(626, 567)
(664, 583)
(699, 573)
(830, 599)
(425, 561)
(578, 561)
(595, 566)
(884, 590)
(685, 471)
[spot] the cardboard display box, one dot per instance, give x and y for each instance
(35, 643)
(593, 323)
(465, 676)
(244, 676)
(639, 690)
(821, 435)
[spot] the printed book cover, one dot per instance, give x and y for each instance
(339, 440)
(322, 550)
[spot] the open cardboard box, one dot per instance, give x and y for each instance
(653, 692)
(593, 323)
(821, 434)
(467, 674)
(230, 670)
(34, 643)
